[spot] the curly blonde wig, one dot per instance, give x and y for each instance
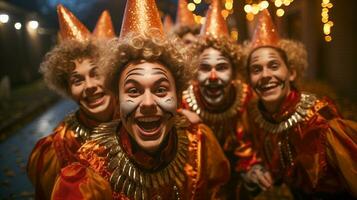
(292, 52)
(225, 45)
(59, 63)
(180, 31)
(149, 47)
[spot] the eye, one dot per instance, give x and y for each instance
(222, 67)
(205, 67)
(274, 65)
(255, 69)
(76, 81)
(133, 92)
(161, 91)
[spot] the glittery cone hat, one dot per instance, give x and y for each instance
(141, 16)
(104, 27)
(184, 17)
(215, 24)
(265, 33)
(168, 24)
(70, 27)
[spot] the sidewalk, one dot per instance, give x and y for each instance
(24, 103)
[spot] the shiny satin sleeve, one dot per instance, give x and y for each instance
(342, 150)
(217, 165)
(43, 167)
(49, 155)
(79, 182)
(245, 150)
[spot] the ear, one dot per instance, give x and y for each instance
(292, 74)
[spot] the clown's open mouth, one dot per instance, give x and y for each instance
(269, 86)
(149, 124)
(95, 100)
(214, 90)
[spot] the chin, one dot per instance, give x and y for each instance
(149, 145)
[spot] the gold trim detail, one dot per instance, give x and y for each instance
(81, 133)
(131, 180)
(237, 106)
(304, 110)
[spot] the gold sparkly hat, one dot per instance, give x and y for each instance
(104, 27)
(168, 24)
(184, 17)
(140, 16)
(215, 24)
(265, 33)
(70, 26)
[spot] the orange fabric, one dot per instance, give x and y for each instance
(49, 155)
(209, 172)
(78, 182)
(323, 149)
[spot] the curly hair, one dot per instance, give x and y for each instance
(292, 52)
(180, 31)
(59, 63)
(135, 47)
(225, 45)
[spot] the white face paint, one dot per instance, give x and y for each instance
(148, 103)
(269, 75)
(214, 76)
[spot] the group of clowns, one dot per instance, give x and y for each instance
(187, 113)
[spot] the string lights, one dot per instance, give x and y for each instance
(327, 23)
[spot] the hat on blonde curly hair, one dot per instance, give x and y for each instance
(142, 38)
(266, 35)
(76, 42)
(214, 33)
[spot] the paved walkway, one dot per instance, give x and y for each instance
(14, 151)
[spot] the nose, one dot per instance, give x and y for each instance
(213, 75)
(148, 105)
(266, 72)
(90, 86)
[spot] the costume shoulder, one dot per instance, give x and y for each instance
(77, 181)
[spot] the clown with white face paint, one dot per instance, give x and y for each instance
(302, 139)
(219, 98)
(151, 152)
(71, 69)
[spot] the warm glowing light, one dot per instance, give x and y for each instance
(264, 5)
(248, 8)
(327, 29)
(191, 7)
(250, 17)
(4, 18)
(33, 24)
(330, 23)
(203, 20)
(280, 12)
(286, 2)
(17, 25)
(197, 1)
(255, 9)
(328, 38)
(278, 3)
(325, 1)
(329, 5)
(234, 35)
(228, 5)
(225, 13)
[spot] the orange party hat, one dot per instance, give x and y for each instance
(70, 26)
(215, 24)
(140, 16)
(184, 17)
(104, 27)
(168, 24)
(265, 33)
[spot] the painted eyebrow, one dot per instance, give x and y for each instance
(163, 79)
(131, 72)
(131, 81)
(160, 71)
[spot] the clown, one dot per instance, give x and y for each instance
(302, 138)
(151, 152)
(71, 69)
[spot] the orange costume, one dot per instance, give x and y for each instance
(229, 124)
(306, 144)
(181, 171)
(58, 150)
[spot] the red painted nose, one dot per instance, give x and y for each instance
(213, 75)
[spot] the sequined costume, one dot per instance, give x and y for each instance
(308, 146)
(183, 169)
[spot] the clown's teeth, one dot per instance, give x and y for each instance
(148, 119)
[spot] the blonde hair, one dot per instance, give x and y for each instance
(59, 63)
(149, 47)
